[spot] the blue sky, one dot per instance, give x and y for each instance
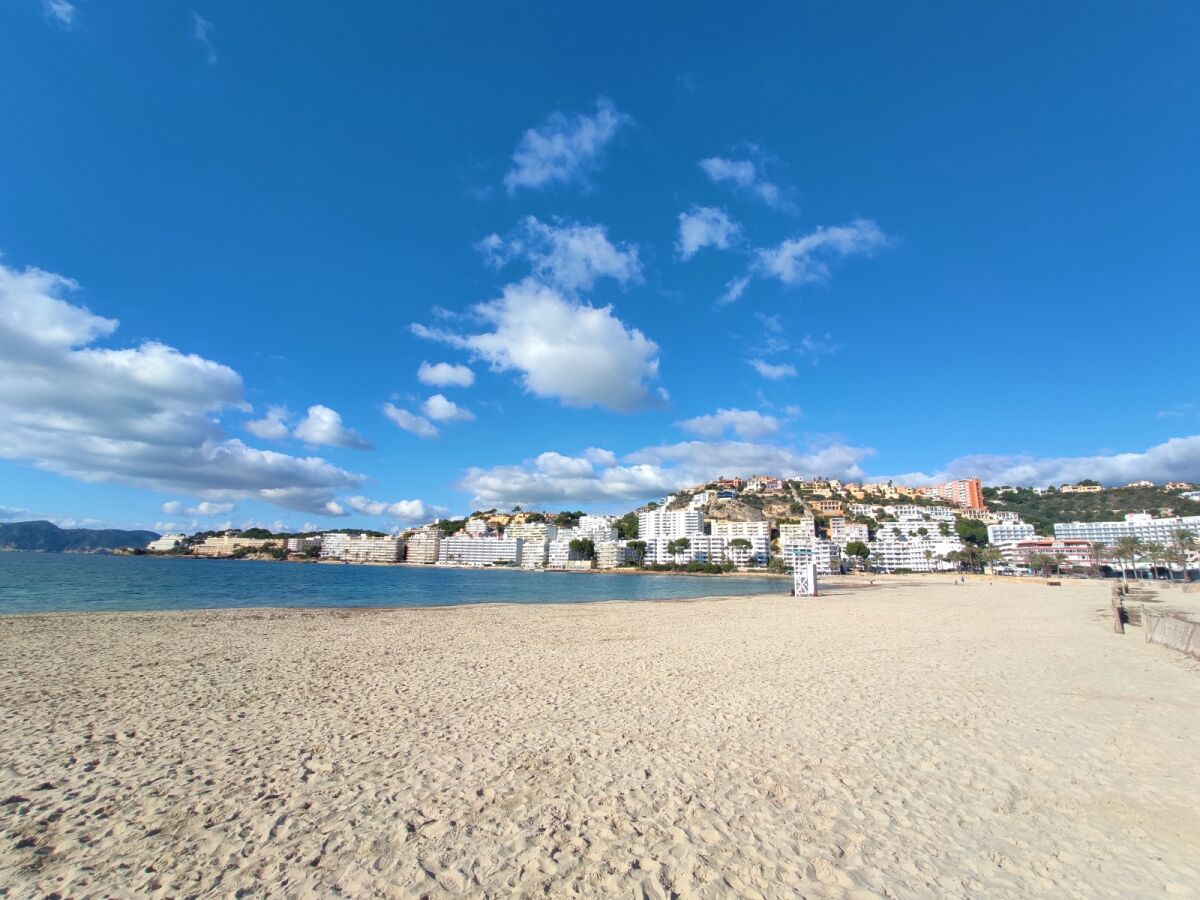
(915, 241)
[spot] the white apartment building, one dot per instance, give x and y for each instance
(225, 544)
(842, 532)
(465, 550)
(424, 545)
(731, 530)
(598, 528)
(826, 555)
(908, 510)
(916, 526)
(1004, 532)
(611, 554)
(670, 523)
(166, 543)
(533, 531)
(1139, 525)
(361, 548)
(804, 530)
(301, 544)
(913, 553)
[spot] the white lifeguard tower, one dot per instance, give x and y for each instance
(804, 573)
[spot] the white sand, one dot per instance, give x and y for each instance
(911, 740)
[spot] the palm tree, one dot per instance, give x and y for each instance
(1156, 552)
(1185, 543)
(928, 559)
(1127, 549)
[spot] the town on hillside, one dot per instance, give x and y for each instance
(770, 524)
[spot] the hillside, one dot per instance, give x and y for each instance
(1109, 505)
(49, 537)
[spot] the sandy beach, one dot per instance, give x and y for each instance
(910, 739)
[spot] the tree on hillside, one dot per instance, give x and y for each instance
(857, 550)
(584, 548)
(972, 531)
(627, 526)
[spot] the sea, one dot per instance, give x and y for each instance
(92, 582)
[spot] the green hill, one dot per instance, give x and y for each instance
(49, 537)
(1109, 505)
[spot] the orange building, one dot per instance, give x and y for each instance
(965, 492)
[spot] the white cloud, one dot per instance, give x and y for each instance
(142, 416)
(704, 226)
(772, 371)
(1177, 459)
(770, 323)
(204, 508)
(418, 425)
(570, 256)
(201, 32)
(734, 289)
(445, 375)
(815, 348)
(745, 423)
(600, 457)
(272, 426)
(13, 514)
(744, 175)
(564, 149)
(440, 409)
(60, 11)
(807, 259)
(553, 479)
(323, 426)
(406, 511)
(580, 354)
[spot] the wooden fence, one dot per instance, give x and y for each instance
(1178, 634)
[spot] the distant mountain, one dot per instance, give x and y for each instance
(49, 537)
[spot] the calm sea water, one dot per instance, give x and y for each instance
(45, 582)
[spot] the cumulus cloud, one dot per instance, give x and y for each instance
(1177, 459)
(564, 148)
(271, 427)
(440, 409)
(704, 226)
(807, 259)
(445, 375)
(569, 256)
(60, 12)
(774, 372)
(143, 416)
(745, 423)
(418, 425)
(201, 32)
(552, 478)
(323, 426)
(405, 511)
(204, 508)
(577, 353)
(744, 175)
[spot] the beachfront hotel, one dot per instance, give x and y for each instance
(1142, 526)
(226, 544)
(465, 550)
(1004, 532)
(1072, 553)
(166, 543)
(423, 546)
(361, 548)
